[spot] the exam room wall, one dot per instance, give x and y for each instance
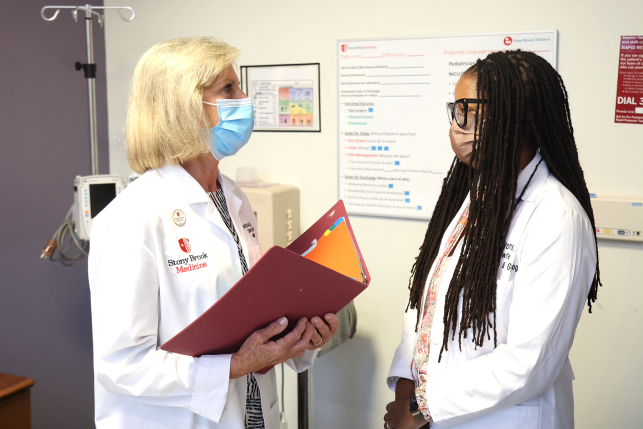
(349, 384)
(45, 323)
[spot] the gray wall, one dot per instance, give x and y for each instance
(45, 324)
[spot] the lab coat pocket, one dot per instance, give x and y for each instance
(504, 293)
(471, 349)
(487, 345)
(517, 417)
(520, 416)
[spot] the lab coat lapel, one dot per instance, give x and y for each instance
(537, 180)
(234, 204)
(181, 192)
(180, 182)
(233, 207)
(508, 262)
(214, 216)
(232, 201)
(530, 193)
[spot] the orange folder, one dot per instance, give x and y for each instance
(335, 250)
(283, 283)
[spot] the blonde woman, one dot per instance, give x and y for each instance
(173, 243)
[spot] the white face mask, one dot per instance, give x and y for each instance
(462, 140)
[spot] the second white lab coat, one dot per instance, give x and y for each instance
(543, 280)
(147, 284)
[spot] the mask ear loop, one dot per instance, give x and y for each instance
(215, 105)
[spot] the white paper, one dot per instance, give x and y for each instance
(394, 148)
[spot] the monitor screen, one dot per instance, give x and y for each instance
(100, 195)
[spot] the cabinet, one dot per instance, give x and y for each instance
(15, 402)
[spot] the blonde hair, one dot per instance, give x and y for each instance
(166, 122)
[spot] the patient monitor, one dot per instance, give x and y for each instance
(91, 195)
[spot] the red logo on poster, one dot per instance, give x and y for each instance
(508, 40)
(185, 245)
(344, 47)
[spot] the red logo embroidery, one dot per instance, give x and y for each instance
(185, 245)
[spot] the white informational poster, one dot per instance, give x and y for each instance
(394, 148)
(285, 97)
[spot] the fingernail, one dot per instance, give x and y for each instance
(316, 319)
(283, 321)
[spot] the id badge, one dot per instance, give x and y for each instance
(256, 252)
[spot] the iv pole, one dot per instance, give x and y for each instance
(303, 399)
(90, 67)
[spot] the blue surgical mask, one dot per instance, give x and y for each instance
(236, 121)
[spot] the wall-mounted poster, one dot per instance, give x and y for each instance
(393, 133)
(285, 97)
(629, 90)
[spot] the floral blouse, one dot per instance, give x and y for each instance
(423, 344)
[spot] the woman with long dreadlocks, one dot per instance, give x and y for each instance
(508, 261)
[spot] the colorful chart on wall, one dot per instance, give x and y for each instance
(393, 132)
(285, 97)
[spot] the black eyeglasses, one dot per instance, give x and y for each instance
(459, 110)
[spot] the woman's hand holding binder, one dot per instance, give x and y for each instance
(282, 283)
(258, 351)
(324, 330)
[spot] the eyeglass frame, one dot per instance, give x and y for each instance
(465, 103)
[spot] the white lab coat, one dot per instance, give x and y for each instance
(543, 281)
(140, 300)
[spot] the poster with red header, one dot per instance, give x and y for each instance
(629, 91)
(393, 130)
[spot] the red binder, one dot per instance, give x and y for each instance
(282, 283)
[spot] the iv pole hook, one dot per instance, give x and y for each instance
(89, 67)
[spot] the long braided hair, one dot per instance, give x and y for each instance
(526, 100)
